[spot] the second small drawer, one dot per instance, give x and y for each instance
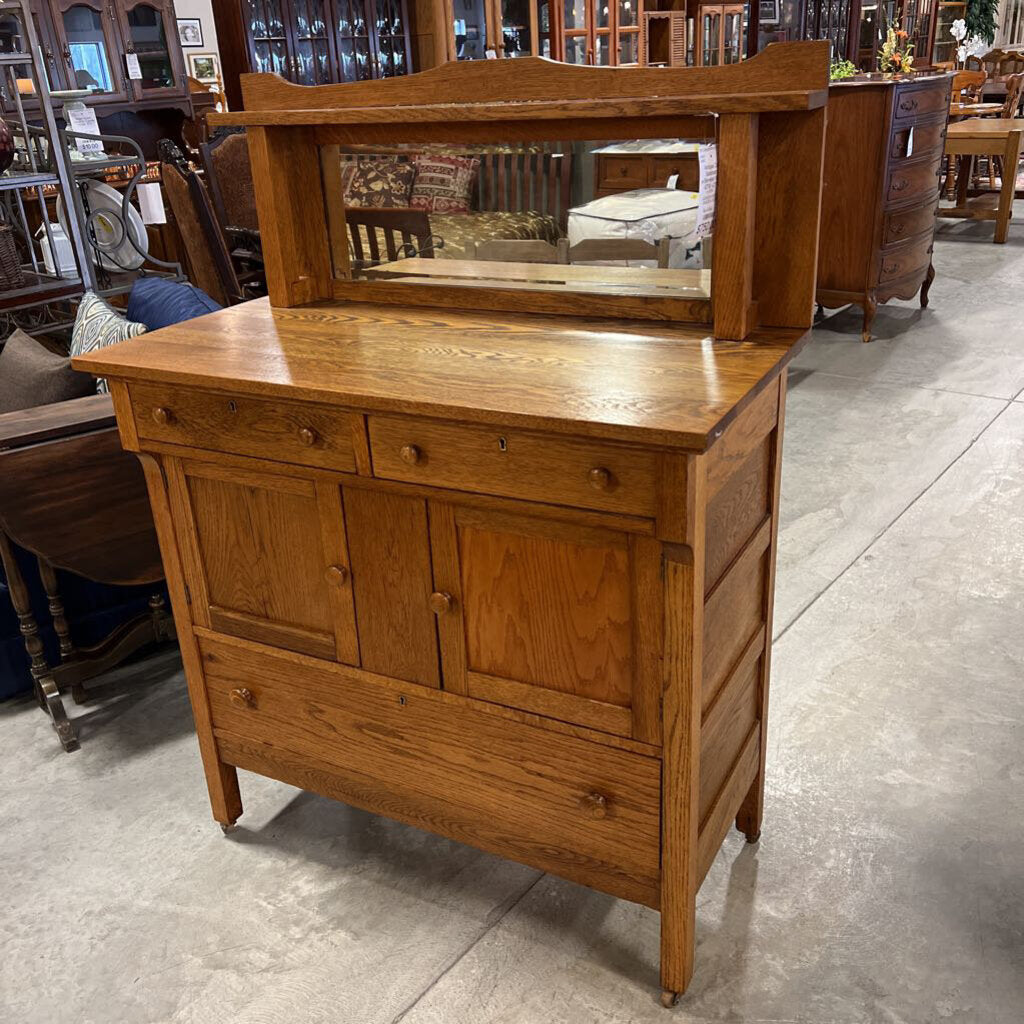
(533, 467)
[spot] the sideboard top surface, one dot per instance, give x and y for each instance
(625, 380)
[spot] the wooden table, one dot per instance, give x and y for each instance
(958, 111)
(985, 136)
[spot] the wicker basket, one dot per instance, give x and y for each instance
(11, 276)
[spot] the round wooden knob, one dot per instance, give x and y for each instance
(441, 602)
(411, 454)
(600, 479)
(162, 416)
(595, 804)
(336, 575)
(307, 437)
(242, 698)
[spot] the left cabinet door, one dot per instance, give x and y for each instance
(89, 46)
(150, 31)
(266, 557)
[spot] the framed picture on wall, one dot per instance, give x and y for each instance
(768, 12)
(204, 66)
(190, 31)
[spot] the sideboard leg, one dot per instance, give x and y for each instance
(928, 278)
(681, 737)
(221, 778)
(870, 308)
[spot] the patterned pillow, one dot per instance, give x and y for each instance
(443, 183)
(98, 325)
(381, 183)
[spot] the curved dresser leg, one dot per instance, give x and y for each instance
(928, 278)
(870, 308)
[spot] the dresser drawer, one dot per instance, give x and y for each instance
(580, 809)
(622, 172)
(900, 225)
(685, 165)
(904, 260)
(911, 141)
(912, 103)
(909, 182)
(533, 467)
(306, 434)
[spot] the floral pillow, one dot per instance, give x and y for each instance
(444, 183)
(380, 183)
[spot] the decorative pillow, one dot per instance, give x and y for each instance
(158, 302)
(381, 183)
(31, 375)
(444, 183)
(98, 325)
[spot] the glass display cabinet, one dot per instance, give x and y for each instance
(721, 34)
(146, 26)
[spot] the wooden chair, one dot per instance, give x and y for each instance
(403, 231)
(519, 250)
(70, 496)
(968, 86)
(229, 181)
(210, 264)
(1014, 91)
(593, 249)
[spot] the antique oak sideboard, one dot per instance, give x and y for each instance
(495, 560)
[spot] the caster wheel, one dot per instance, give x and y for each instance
(669, 999)
(228, 829)
(754, 838)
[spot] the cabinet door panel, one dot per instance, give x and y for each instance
(90, 46)
(268, 557)
(150, 32)
(549, 617)
(391, 577)
(268, 36)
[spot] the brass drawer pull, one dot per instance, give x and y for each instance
(441, 603)
(908, 104)
(242, 698)
(595, 804)
(307, 437)
(162, 416)
(600, 479)
(899, 186)
(890, 268)
(411, 454)
(336, 575)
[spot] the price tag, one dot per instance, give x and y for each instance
(491, 54)
(132, 62)
(81, 118)
(910, 141)
(707, 157)
(673, 180)
(151, 203)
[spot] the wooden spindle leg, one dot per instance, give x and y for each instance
(60, 623)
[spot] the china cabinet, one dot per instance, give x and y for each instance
(502, 28)
(601, 31)
(147, 26)
(720, 34)
(312, 42)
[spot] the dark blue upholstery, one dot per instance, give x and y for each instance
(158, 302)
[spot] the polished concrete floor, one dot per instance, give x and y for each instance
(889, 883)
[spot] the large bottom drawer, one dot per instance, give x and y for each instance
(582, 810)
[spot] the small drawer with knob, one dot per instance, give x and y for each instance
(295, 432)
(902, 225)
(532, 467)
(901, 261)
(913, 182)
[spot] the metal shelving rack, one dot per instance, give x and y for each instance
(44, 169)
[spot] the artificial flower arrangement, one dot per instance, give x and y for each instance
(840, 69)
(896, 53)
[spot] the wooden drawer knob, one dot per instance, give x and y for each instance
(600, 479)
(440, 602)
(336, 575)
(307, 437)
(411, 454)
(162, 416)
(595, 804)
(242, 698)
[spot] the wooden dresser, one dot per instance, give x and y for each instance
(883, 159)
(626, 166)
(506, 576)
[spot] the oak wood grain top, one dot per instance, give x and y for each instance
(985, 127)
(620, 380)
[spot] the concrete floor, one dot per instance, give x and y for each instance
(888, 886)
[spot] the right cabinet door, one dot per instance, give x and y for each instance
(551, 617)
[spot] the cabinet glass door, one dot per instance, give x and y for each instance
(711, 29)
(470, 29)
(147, 26)
(355, 62)
(312, 57)
(88, 47)
(629, 12)
(390, 36)
(578, 27)
(732, 39)
(517, 28)
(545, 30)
(268, 36)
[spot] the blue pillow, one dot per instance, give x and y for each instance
(158, 302)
